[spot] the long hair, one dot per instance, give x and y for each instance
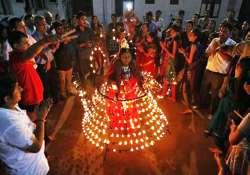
(240, 96)
(116, 73)
(92, 25)
(7, 85)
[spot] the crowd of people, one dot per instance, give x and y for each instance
(206, 67)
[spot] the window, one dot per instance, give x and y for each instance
(210, 6)
(83, 5)
(119, 7)
(39, 4)
(174, 2)
(4, 7)
(149, 1)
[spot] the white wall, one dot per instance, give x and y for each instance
(164, 5)
(228, 5)
(98, 9)
(57, 8)
(109, 8)
(223, 10)
(17, 8)
(104, 8)
(189, 6)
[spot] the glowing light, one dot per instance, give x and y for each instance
(129, 135)
(129, 5)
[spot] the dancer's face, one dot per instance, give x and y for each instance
(144, 28)
(192, 37)
(149, 39)
(126, 58)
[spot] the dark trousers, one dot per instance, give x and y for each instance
(83, 67)
(45, 80)
(212, 82)
(49, 80)
(191, 87)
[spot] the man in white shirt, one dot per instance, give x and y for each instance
(21, 141)
(159, 22)
(217, 66)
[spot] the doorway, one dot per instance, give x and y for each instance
(244, 14)
(85, 6)
(121, 6)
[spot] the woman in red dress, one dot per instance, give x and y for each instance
(147, 58)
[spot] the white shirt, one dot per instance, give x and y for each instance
(161, 25)
(8, 49)
(215, 62)
(16, 132)
(32, 41)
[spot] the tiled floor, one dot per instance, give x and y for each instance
(183, 152)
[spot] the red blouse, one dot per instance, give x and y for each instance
(27, 78)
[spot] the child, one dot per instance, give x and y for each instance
(63, 57)
(132, 119)
(125, 70)
(21, 65)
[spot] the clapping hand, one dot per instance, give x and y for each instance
(232, 126)
(89, 44)
(43, 110)
(181, 50)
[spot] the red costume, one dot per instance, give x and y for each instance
(28, 79)
(121, 115)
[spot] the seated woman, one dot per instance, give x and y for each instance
(236, 98)
(21, 140)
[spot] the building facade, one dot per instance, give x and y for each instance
(104, 8)
(18, 7)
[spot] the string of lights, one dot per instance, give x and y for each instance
(117, 124)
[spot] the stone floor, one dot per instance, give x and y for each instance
(185, 151)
